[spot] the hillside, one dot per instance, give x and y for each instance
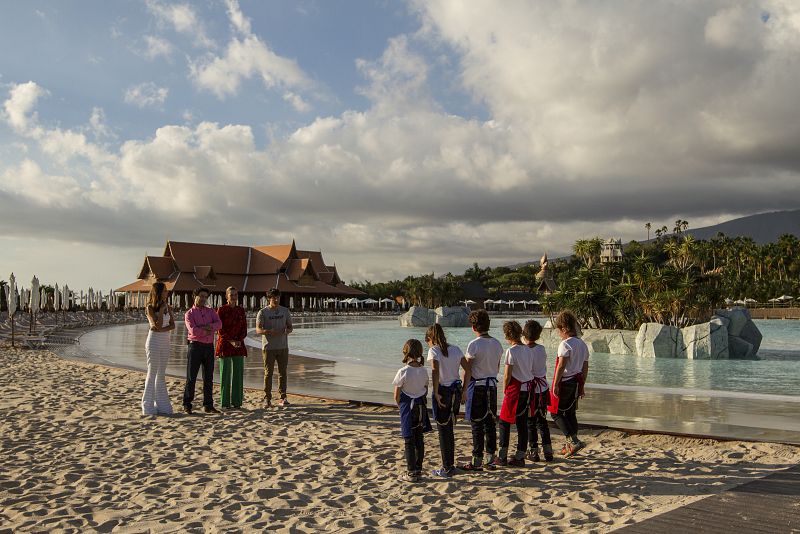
(763, 227)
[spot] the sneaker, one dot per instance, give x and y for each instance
(210, 409)
(409, 477)
(533, 455)
(470, 467)
(548, 452)
(516, 463)
(491, 466)
(499, 462)
(451, 471)
(441, 473)
(283, 402)
(188, 409)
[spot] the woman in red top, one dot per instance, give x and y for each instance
(231, 350)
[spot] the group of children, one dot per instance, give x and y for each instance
(527, 397)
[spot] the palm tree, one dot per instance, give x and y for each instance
(648, 226)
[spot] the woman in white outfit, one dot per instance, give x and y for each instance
(155, 400)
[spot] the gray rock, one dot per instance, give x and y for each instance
(705, 341)
(454, 316)
(656, 340)
(723, 321)
(739, 349)
(596, 341)
(751, 334)
(621, 342)
(738, 317)
(417, 316)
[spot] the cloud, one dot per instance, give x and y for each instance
(182, 18)
(157, 47)
(600, 118)
(22, 99)
(146, 95)
(28, 182)
(247, 56)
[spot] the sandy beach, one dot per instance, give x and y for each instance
(76, 455)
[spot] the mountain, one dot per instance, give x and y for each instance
(763, 227)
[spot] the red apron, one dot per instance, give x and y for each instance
(553, 408)
(508, 412)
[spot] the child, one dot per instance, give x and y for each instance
(410, 389)
(483, 354)
(572, 369)
(540, 398)
(517, 384)
(447, 385)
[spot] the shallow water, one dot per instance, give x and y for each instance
(368, 352)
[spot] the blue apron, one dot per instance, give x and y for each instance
(491, 382)
(455, 400)
(407, 408)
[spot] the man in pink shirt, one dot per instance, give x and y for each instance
(201, 323)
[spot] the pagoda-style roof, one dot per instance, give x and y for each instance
(186, 266)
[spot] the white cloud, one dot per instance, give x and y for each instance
(29, 182)
(247, 56)
(157, 47)
(182, 18)
(22, 99)
(600, 118)
(146, 95)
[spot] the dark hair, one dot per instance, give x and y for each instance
(154, 299)
(479, 319)
(435, 335)
(274, 292)
(199, 290)
(512, 330)
(532, 331)
(412, 352)
(567, 322)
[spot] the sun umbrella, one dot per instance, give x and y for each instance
(11, 295)
(65, 300)
(34, 302)
(56, 298)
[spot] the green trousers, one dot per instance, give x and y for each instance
(231, 379)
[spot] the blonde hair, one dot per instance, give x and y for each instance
(412, 352)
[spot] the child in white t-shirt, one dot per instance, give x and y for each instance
(572, 369)
(446, 361)
(540, 397)
(517, 384)
(410, 388)
(483, 354)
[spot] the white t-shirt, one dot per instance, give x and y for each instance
(448, 365)
(412, 381)
(484, 353)
(520, 358)
(539, 366)
(575, 352)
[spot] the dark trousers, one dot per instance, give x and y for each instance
(270, 357)
(538, 422)
(566, 418)
(199, 355)
(415, 445)
(521, 424)
(445, 420)
(482, 420)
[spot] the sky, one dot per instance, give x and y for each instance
(398, 137)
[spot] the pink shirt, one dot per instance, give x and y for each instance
(198, 318)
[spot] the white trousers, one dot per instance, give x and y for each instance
(155, 399)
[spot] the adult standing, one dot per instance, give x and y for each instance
(201, 323)
(274, 324)
(231, 349)
(155, 399)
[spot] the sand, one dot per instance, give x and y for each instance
(76, 455)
